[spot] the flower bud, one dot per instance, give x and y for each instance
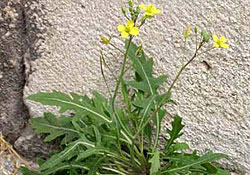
(196, 29)
(139, 51)
(205, 35)
(143, 20)
(124, 11)
(207, 38)
(187, 32)
(131, 3)
(137, 10)
(131, 9)
(105, 40)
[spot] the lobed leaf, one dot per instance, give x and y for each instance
(144, 69)
(54, 126)
(175, 132)
(73, 102)
(193, 163)
(155, 163)
(67, 153)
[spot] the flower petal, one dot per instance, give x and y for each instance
(223, 39)
(148, 14)
(151, 7)
(143, 7)
(121, 28)
(226, 46)
(130, 23)
(215, 37)
(216, 45)
(134, 31)
(157, 11)
(124, 34)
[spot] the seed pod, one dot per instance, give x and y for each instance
(124, 11)
(196, 29)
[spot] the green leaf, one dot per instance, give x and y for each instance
(67, 153)
(176, 147)
(54, 126)
(144, 68)
(148, 132)
(210, 167)
(40, 161)
(175, 132)
(180, 146)
(92, 151)
(155, 163)
(73, 102)
(146, 105)
(207, 158)
(125, 94)
(65, 166)
(95, 165)
(98, 138)
(222, 172)
(163, 99)
(89, 152)
(147, 82)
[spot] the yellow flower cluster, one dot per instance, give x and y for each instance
(130, 29)
(150, 10)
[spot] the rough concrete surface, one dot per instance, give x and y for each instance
(13, 112)
(215, 102)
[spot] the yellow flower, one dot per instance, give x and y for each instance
(220, 42)
(128, 29)
(150, 10)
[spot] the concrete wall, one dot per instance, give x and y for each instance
(13, 46)
(20, 38)
(215, 103)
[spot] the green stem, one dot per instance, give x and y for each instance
(170, 88)
(183, 68)
(121, 74)
(132, 152)
(196, 41)
(103, 75)
(157, 131)
(142, 142)
(116, 47)
(208, 50)
(105, 63)
(116, 116)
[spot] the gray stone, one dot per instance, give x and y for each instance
(13, 112)
(1, 75)
(32, 145)
(17, 49)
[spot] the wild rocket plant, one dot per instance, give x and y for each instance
(103, 138)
